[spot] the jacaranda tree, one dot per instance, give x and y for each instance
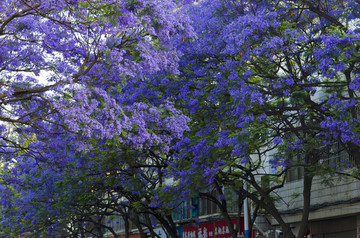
(75, 193)
(63, 66)
(268, 81)
(62, 62)
(262, 81)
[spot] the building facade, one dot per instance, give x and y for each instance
(334, 211)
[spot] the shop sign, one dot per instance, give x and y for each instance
(217, 229)
(206, 230)
(190, 231)
(222, 229)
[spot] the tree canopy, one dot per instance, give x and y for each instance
(114, 99)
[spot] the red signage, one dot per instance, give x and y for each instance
(190, 231)
(217, 229)
(206, 230)
(222, 229)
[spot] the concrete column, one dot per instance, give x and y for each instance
(358, 226)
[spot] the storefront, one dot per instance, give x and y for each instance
(213, 229)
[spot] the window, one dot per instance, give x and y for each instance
(335, 154)
(294, 174)
(180, 212)
(195, 206)
(207, 207)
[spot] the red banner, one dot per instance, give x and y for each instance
(222, 229)
(206, 230)
(217, 229)
(190, 231)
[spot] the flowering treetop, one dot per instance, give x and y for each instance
(62, 62)
(64, 65)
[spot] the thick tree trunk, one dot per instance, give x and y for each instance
(127, 227)
(99, 227)
(222, 206)
(252, 220)
(173, 226)
(229, 224)
(225, 214)
(269, 206)
(307, 199)
(148, 220)
(240, 204)
(138, 225)
(169, 226)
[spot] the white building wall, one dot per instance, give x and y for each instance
(341, 199)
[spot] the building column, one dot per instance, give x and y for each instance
(358, 226)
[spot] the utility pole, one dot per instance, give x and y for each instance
(246, 213)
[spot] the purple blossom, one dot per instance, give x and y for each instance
(355, 83)
(277, 140)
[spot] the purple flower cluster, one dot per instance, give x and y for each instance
(104, 100)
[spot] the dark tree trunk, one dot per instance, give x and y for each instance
(307, 199)
(127, 226)
(240, 204)
(223, 209)
(148, 220)
(138, 225)
(269, 206)
(169, 226)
